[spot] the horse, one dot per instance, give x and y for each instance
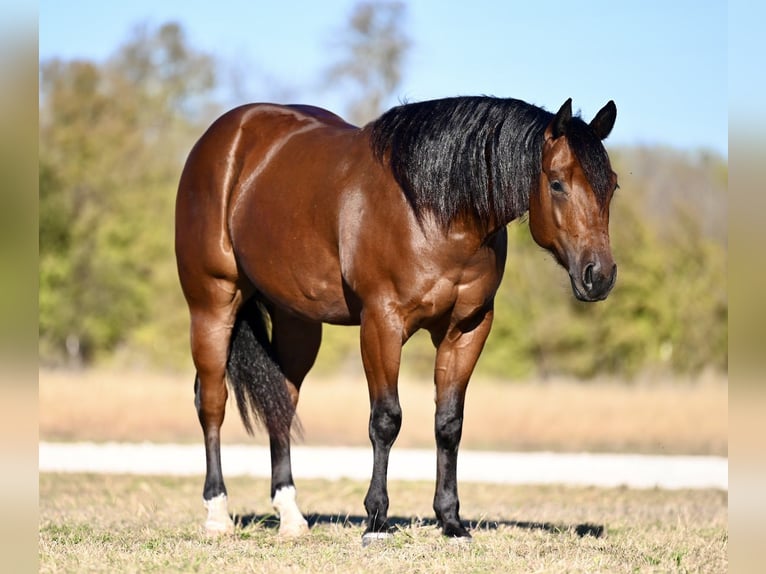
(288, 217)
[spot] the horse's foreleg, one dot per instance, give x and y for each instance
(381, 340)
(210, 333)
(456, 356)
(296, 344)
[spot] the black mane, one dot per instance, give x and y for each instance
(478, 155)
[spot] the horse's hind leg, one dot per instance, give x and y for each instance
(296, 344)
(210, 334)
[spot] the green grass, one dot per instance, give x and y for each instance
(106, 523)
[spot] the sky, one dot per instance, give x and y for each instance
(663, 63)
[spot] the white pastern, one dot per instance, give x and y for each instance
(291, 521)
(218, 519)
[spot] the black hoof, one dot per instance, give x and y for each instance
(456, 531)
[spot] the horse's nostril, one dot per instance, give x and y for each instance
(587, 277)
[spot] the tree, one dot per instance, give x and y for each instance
(374, 47)
(112, 139)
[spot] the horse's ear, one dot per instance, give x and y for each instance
(559, 123)
(603, 123)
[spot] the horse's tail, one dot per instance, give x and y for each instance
(255, 375)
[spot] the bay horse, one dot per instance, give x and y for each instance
(288, 217)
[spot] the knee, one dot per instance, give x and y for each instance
(385, 422)
(449, 429)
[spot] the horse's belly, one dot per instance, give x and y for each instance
(305, 283)
(312, 298)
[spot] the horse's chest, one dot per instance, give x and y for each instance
(457, 296)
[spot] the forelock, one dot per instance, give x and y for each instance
(592, 156)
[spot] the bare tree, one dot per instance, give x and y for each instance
(374, 47)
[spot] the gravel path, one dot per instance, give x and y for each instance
(606, 470)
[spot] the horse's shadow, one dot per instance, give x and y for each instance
(401, 522)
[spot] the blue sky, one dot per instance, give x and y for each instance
(663, 63)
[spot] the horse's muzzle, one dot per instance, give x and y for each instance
(593, 284)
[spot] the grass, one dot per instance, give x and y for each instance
(660, 417)
(108, 523)
(91, 523)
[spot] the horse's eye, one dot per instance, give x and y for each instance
(557, 186)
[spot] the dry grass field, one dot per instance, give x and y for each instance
(112, 523)
(91, 523)
(660, 417)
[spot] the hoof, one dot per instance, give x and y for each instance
(215, 528)
(294, 530)
(456, 533)
(218, 520)
(292, 524)
(460, 540)
(371, 537)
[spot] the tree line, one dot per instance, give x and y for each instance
(113, 138)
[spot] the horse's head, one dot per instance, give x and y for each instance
(569, 211)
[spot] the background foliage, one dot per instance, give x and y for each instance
(113, 138)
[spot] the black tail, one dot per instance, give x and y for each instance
(255, 376)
